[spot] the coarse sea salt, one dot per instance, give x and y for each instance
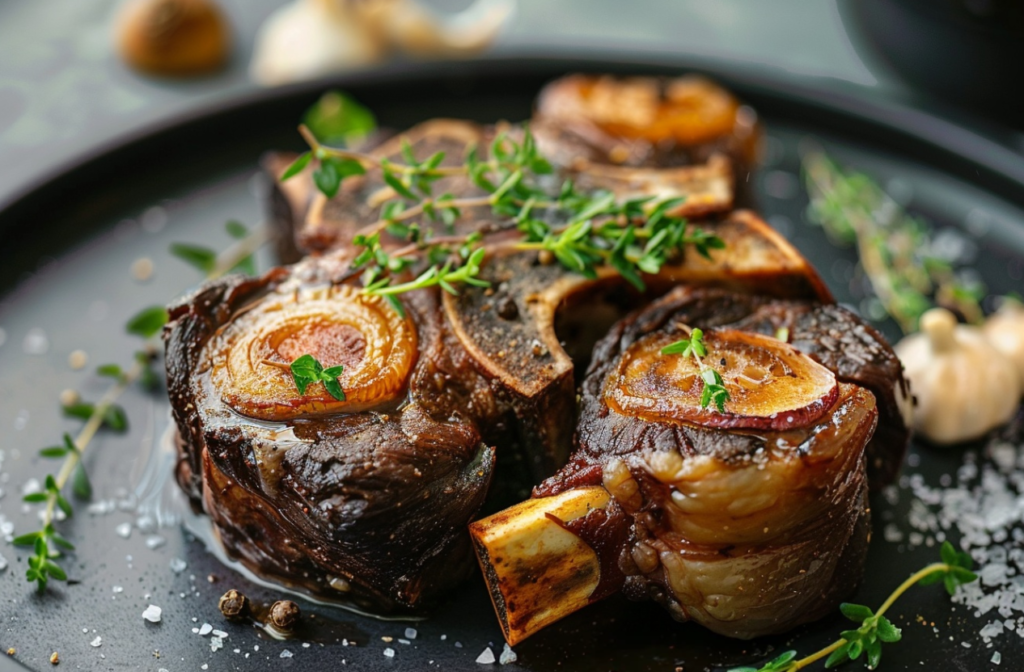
(983, 508)
(486, 657)
(152, 613)
(507, 655)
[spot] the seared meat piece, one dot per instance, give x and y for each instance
(363, 500)
(749, 521)
(526, 331)
(308, 222)
(581, 120)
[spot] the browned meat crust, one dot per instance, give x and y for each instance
(367, 507)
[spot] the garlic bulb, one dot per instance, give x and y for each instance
(963, 384)
(1005, 330)
(312, 38)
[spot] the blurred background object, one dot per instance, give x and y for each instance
(173, 37)
(65, 90)
(314, 38)
(968, 53)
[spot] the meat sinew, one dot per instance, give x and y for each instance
(750, 520)
(363, 500)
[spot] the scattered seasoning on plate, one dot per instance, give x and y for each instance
(507, 655)
(983, 505)
(152, 613)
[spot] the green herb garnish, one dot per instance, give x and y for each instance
(47, 544)
(634, 236)
(306, 371)
(714, 391)
(896, 249)
(874, 628)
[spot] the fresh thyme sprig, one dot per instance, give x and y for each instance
(307, 370)
(633, 236)
(896, 250)
(47, 544)
(236, 259)
(875, 629)
(714, 391)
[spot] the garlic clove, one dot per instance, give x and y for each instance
(311, 38)
(173, 37)
(420, 32)
(964, 386)
(306, 39)
(1005, 330)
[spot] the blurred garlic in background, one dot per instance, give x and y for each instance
(173, 37)
(310, 38)
(964, 385)
(1005, 330)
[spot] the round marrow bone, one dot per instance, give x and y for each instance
(644, 121)
(338, 326)
(772, 385)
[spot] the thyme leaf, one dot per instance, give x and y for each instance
(714, 390)
(307, 370)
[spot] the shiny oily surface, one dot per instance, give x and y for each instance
(771, 384)
(81, 301)
(250, 357)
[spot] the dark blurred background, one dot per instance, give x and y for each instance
(65, 88)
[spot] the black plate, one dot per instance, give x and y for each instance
(65, 253)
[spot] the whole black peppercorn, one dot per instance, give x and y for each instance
(507, 308)
(234, 605)
(284, 614)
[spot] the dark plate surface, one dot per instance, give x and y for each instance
(66, 249)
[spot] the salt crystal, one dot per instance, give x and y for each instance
(486, 657)
(204, 666)
(154, 542)
(389, 653)
(124, 530)
(286, 654)
(892, 534)
(507, 655)
(216, 644)
(403, 641)
(306, 645)
(178, 565)
(220, 633)
(444, 637)
(96, 642)
(996, 657)
(118, 589)
(3, 563)
(993, 629)
(410, 633)
(458, 645)
(152, 613)
(205, 629)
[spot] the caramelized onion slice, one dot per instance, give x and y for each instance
(771, 384)
(251, 356)
(689, 110)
